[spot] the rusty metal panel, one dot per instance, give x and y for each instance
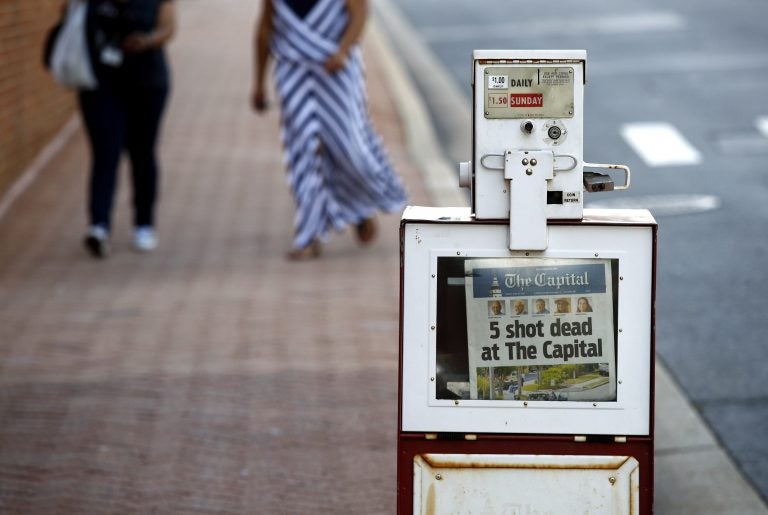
(495, 484)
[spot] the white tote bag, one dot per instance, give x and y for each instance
(70, 59)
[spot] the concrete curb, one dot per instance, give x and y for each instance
(440, 176)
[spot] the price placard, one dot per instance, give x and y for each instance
(529, 92)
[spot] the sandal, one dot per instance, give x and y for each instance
(366, 231)
(311, 251)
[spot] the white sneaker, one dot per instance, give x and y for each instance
(97, 241)
(144, 238)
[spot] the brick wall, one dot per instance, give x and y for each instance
(32, 107)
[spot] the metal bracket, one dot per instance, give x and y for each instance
(528, 172)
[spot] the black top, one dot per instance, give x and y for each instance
(301, 7)
(109, 22)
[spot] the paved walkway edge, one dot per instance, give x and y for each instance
(43, 157)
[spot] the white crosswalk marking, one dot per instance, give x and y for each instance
(762, 125)
(660, 144)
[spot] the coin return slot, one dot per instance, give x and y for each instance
(554, 197)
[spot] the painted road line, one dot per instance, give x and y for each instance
(762, 125)
(682, 62)
(638, 22)
(660, 144)
(661, 205)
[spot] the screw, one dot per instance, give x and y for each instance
(525, 161)
(534, 162)
(528, 171)
(432, 327)
(438, 476)
(612, 480)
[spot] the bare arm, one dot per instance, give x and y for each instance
(159, 36)
(358, 12)
(263, 34)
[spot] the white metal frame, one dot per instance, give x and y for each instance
(428, 240)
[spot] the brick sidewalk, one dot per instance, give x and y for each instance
(212, 376)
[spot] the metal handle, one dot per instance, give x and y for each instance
(613, 167)
(500, 166)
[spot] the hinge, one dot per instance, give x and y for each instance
(450, 436)
(599, 439)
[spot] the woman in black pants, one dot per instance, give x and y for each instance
(124, 112)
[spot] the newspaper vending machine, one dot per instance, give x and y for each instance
(527, 321)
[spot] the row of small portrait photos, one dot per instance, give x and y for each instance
(540, 306)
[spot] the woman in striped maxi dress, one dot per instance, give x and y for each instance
(338, 171)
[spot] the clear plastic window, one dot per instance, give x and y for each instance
(526, 329)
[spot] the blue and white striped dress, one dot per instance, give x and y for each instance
(338, 170)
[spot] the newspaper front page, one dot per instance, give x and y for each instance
(540, 329)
